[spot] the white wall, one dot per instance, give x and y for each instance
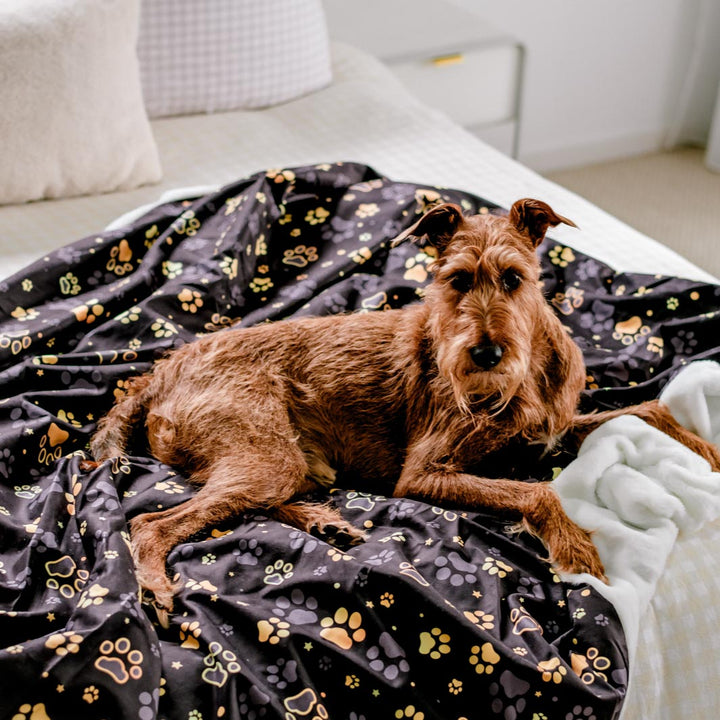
(602, 78)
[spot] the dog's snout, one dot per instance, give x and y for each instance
(486, 356)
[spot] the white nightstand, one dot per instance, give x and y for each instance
(449, 57)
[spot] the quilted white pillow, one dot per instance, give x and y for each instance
(72, 120)
(212, 55)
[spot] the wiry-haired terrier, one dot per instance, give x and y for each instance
(420, 397)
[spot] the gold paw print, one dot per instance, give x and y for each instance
(552, 670)
(483, 619)
(95, 595)
(120, 256)
(630, 330)
(69, 284)
(189, 634)
(361, 256)
(455, 686)
(590, 666)
(119, 661)
(305, 705)
(435, 643)
(163, 329)
(484, 658)
(273, 630)
(261, 284)
(343, 637)
(88, 313)
(300, 256)
(317, 216)
(91, 694)
(496, 567)
(561, 256)
(190, 300)
(64, 643)
(409, 713)
(387, 599)
(352, 681)
(31, 712)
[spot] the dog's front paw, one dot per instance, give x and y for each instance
(575, 553)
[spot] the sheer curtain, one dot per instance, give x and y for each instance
(696, 112)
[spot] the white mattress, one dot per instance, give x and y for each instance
(367, 116)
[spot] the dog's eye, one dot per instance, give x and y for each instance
(462, 281)
(510, 280)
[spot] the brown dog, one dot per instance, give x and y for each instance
(420, 397)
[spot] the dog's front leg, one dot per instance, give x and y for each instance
(570, 547)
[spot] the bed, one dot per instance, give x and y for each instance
(267, 213)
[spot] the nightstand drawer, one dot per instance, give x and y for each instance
(477, 87)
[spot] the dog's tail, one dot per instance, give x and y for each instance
(113, 431)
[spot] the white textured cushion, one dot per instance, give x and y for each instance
(72, 120)
(212, 55)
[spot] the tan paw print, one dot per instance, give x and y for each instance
(317, 216)
(120, 257)
(416, 267)
(591, 666)
(361, 255)
(300, 256)
(163, 329)
(496, 567)
(69, 284)
(435, 643)
(455, 687)
(91, 694)
(31, 712)
(22, 315)
(387, 599)
(630, 331)
(561, 256)
(94, 595)
(343, 628)
(305, 705)
(51, 444)
(552, 670)
(484, 658)
(483, 619)
(190, 300)
(65, 643)
(366, 210)
(170, 487)
(409, 713)
(189, 634)
(273, 630)
(88, 313)
(119, 661)
(261, 284)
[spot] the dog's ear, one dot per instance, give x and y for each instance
(534, 217)
(439, 224)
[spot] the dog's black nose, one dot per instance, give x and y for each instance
(486, 356)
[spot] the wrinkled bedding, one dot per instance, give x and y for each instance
(442, 613)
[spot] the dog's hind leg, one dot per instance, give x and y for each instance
(251, 478)
(654, 413)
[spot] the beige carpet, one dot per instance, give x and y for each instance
(669, 196)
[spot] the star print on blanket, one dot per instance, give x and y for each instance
(441, 612)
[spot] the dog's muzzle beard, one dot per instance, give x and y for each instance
(491, 383)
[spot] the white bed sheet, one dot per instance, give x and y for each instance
(367, 116)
